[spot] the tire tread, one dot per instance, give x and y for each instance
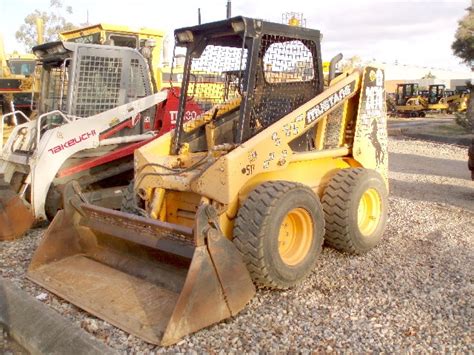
(252, 218)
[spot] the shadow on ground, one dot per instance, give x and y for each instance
(418, 164)
(457, 196)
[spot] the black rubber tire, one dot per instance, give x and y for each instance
(340, 203)
(53, 203)
(257, 226)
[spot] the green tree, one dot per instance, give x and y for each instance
(54, 20)
(463, 45)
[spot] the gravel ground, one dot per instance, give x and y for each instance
(8, 346)
(413, 293)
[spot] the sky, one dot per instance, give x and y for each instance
(411, 32)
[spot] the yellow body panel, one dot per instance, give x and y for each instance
(438, 107)
(314, 173)
(413, 104)
(225, 178)
(267, 151)
(370, 140)
(28, 83)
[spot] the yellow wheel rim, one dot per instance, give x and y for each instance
(369, 212)
(295, 236)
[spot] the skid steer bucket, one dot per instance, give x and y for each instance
(15, 217)
(153, 279)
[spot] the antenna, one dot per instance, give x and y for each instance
(229, 9)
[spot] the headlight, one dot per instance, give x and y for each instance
(185, 37)
(238, 26)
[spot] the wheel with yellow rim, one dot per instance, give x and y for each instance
(279, 231)
(355, 210)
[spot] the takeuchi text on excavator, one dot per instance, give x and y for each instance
(242, 195)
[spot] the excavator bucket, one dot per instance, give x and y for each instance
(15, 217)
(156, 280)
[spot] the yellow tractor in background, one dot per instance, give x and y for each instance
(244, 194)
(440, 99)
(436, 100)
(19, 87)
(457, 100)
(408, 101)
(412, 102)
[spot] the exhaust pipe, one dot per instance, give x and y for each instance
(332, 66)
(229, 9)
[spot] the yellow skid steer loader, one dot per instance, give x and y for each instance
(244, 194)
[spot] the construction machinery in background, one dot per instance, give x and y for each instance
(19, 88)
(407, 101)
(97, 106)
(150, 43)
(412, 102)
(19, 85)
(243, 194)
(457, 100)
(436, 100)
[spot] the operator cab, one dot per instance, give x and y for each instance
(82, 80)
(245, 74)
(435, 93)
(405, 92)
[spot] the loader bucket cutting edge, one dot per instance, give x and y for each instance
(149, 278)
(15, 217)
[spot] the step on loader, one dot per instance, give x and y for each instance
(97, 106)
(244, 194)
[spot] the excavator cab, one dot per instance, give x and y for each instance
(405, 92)
(436, 93)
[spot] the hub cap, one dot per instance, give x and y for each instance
(369, 212)
(295, 237)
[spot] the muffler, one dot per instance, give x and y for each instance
(156, 280)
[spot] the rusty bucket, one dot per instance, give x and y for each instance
(15, 217)
(156, 280)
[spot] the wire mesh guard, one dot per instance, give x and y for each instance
(137, 80)
(56, 94)
(98, 85)
(215, 76)
(285, 79)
